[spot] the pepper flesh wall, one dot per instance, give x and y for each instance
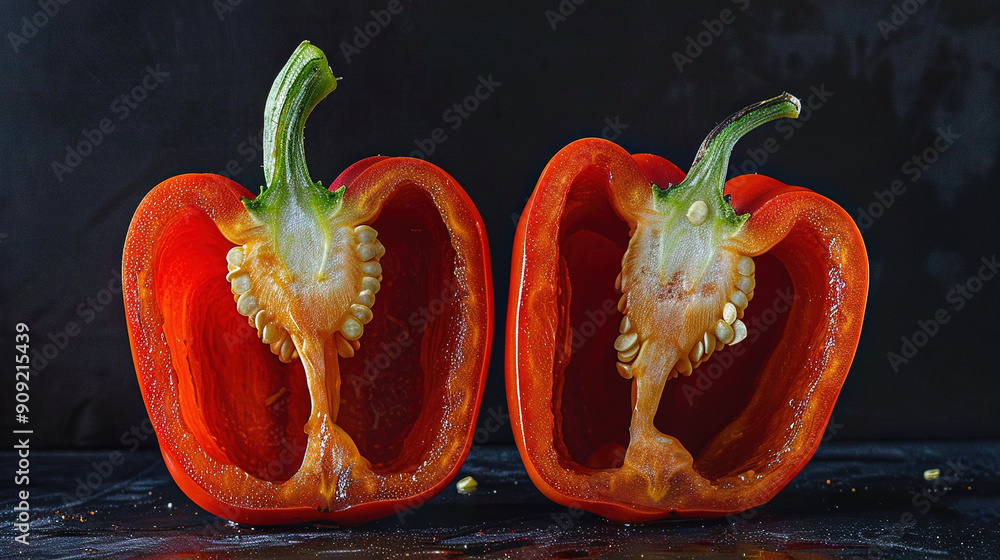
(686, 265)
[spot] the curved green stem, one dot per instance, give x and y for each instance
(707, 178)
(296, 212)
(303, 82)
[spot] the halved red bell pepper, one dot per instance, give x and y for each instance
(675, 343)
(279, 389)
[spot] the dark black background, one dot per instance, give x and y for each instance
(561, 78)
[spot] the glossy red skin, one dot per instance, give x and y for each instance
(193, 459)
(789, 223)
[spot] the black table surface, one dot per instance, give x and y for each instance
(853, 500)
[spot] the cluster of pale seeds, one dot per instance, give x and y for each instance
(369, 250)
(729, 329)
(269, 331)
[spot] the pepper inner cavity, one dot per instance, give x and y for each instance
(272, 319)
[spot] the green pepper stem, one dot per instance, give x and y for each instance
(295, 211)
(707, 178)
(304, 81)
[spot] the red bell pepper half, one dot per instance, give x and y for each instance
(280, 390)
(675, 343)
